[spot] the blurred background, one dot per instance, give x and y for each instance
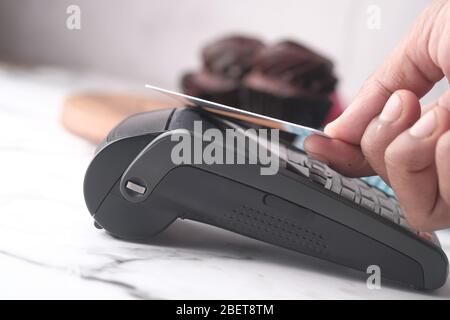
(153, 41)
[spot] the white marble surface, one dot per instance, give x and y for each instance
(50, 249)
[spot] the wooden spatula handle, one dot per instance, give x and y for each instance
(92, 115)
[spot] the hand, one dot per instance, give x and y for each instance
(386, 132)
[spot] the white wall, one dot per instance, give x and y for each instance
(154, 41)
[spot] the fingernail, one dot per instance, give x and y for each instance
(425, 126)
(392, 109)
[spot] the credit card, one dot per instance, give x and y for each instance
(236, 113)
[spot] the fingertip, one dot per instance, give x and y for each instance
(432, 124)
(329, 128)
(402, 105)
(409, 100)
(339, 155)
(338, 129)
(314, 144)
(307, 144)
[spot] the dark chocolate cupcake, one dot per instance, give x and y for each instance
(211, 87)
(225, 63)
(289, 82)
(231, 57)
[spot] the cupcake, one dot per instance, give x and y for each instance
(225, 63)
(291, 82)
(231, 57)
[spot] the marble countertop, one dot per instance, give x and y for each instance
(49, 248)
